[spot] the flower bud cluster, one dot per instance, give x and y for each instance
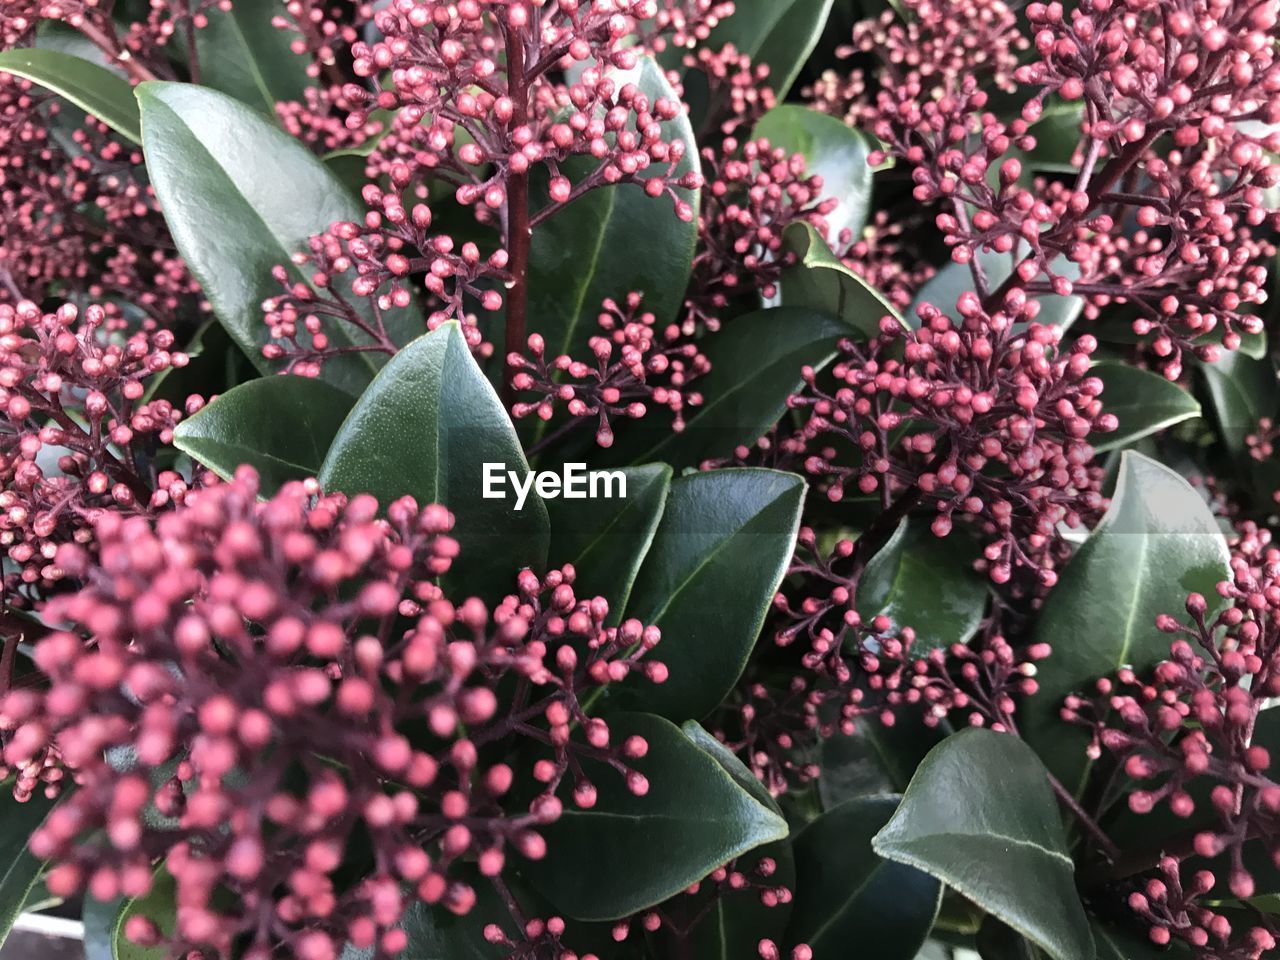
(1001, 414)
(852, 671)
(79, 217)
(755, 191)
(930, 45)
(77, 435)
(1188, 736)
(634, 367)
(478, 110)
(266, 684)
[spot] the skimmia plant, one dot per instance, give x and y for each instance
(928, 608)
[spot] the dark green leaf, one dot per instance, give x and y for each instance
(925, 582)
(606, 540)
(19, 869)
(1241, 392)
(425, 427)
(832, 150)
(819, 281)
(158, 906)
(979, 816)
(609, 242)
(1057, 134)
(955, 278)
(1157, 543)
(241, 197)
(732, 926)
(779, 33)
(721, 550)
(242, 54)
(874, 759)
(1144, 402)
(756, 364)
(92, 88)
(627, 853)
(281, 426)
(846, 894)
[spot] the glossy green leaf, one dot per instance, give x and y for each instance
(980, 816)
(281, 426)
(756, 364)
(158, 906)
(721, 550)
(1157, 543)
(779, 33)
(832, 150)
(819, 281)
(241, 197)
(925, 582)
(874, 759)
(606, 539)
(19, 869)
(847, 894)
(94, 89)
(1241, 392)
(1057, 134)
(945, 288)
(242, 54)
(1143, 402)
(609, 242)
(627, 852)
(729, 925)
(426, 427)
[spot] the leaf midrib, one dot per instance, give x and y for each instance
(711, 555)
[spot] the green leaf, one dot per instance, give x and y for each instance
(979, 816)
(159, 906)
(730, 925)
(721, 550)
(241, 197)
(756, 364)
(611, 241)
(846, 894)
(1157, 543)
(925, 582)
(779, 33)
(945, 288)
(242, 54)
(1144, 402)
(1241, 392)
(627, 852)
(606, 539)
(19, 868)
(832, 150)
(1057, 134)
(819, 281)
(425, 427)
(281, 426)
(92, 88)
(874, 759)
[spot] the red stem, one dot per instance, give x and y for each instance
(110, 45)
(519, 232)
